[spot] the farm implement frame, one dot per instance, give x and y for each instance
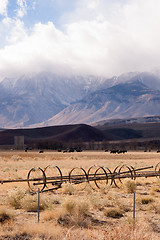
(98, 177)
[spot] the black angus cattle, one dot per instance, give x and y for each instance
(118, 151)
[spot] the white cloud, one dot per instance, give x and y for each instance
(22, 8)
(3, 7)
(100, 37)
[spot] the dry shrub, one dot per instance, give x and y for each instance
(6, 169)
(145, 200)
(123, 207)
(127, 232)
(113, 212)
(74, 213)
(130, 186)
(155, 207)
(69, 206)
(139, 182)
(96, 201)
(47, 231)
(15, 197)
(68, 188)
(5, 216)
(18, 198)
(17, 236)
(76, 207)
(114, 201)
(39, 231)
(16, 158)
(50, 215)
(154, 190)
(30, 203)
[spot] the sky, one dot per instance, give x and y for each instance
(89, 37)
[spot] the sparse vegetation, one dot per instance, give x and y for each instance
(113, 212)
(15, 197)
(145, 200)
(74, 213)
(68, 188)
(30, 203)
(130, 186)
(154, 189)
(5, 216)
(71, 214)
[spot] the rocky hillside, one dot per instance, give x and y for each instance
(125, 100)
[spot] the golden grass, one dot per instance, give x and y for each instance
(113, 212)
(72, 214)
(145, 200)
(15, 197)
(5, 216)
(130, 186)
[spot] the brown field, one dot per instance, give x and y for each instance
(69, 213)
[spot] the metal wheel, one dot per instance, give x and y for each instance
(109, 174)
(91, 174)
(101, 178)
(120, 173)
(79, 177)
(36, 179)
(53, 176)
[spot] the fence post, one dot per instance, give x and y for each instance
(38, 204)
(134, 207)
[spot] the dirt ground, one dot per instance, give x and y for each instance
(71, 212)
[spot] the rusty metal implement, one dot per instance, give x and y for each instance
(51, 178)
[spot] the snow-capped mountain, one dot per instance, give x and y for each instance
(47, 99)
(125, 100)
(30, 100)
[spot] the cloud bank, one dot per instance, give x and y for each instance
(3, 7)
(99, 37)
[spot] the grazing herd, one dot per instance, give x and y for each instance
(114, 151)
(118, 151)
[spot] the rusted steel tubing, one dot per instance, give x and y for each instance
(20, 180)
(148, 174)
(82, 179)
(40, 183)
(103, 177)
(36, 179)
(142, 174)
(64, 177)
(132, 170)
(79, 180)
(67, 177)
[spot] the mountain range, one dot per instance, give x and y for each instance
(46, 99)
(125, 100)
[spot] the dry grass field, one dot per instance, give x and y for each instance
(69, 213)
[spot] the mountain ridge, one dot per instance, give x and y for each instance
(46, 99)
(125, 100)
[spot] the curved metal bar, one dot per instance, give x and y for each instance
(54, 178)
(110, 174)
(41, 179)
(79, 178)
(133, 170)
(91, 176)
(130, 171)
(100, 177)
(113, 175)
(119, 175)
